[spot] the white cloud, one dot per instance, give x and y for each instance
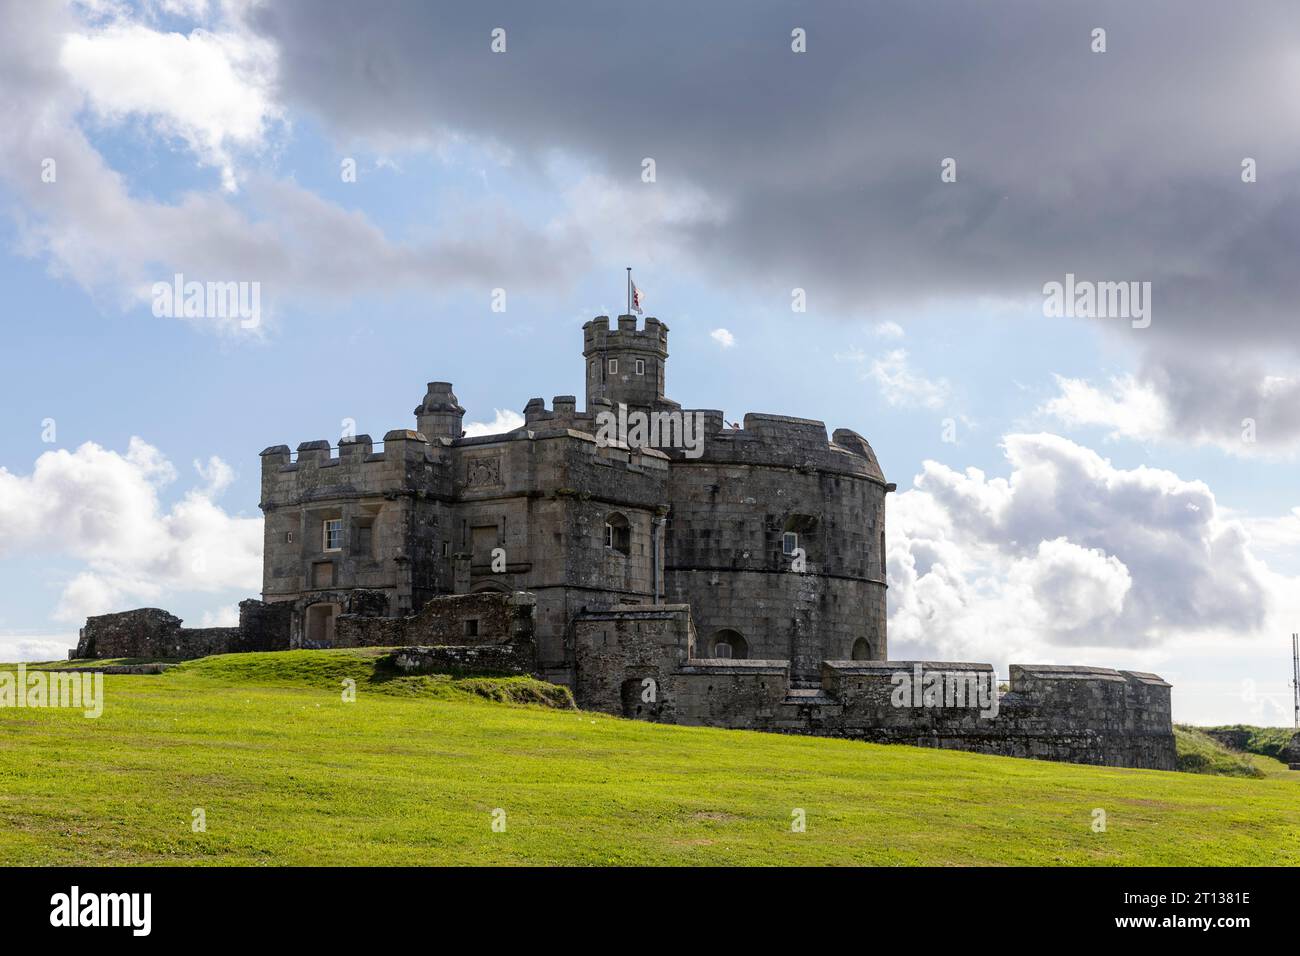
(505, 421)
(16, 647)
(1068, 552)
(888, 330)
(1241, 411)
(213, 90)
(102, 508)
(1071, 587)
(723, 338)
(225, 616)
(902, 386)
(92, 227)
(1131, 409)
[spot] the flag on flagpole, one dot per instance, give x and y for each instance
(636, 298)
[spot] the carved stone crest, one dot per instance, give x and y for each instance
(482, 471)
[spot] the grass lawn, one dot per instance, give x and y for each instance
(287, 773)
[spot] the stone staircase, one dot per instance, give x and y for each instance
(808, 694)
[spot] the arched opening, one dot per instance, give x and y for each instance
(618, 533)
(861, 650)
(728, 644)
(319, 629)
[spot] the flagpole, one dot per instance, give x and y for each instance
(629, 291)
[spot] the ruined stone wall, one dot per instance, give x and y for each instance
(263, 627)
(509, 659)
(1290, 755)
(467, 620)
(152, 632)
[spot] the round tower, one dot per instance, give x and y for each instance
(625, 365)
(440, 414)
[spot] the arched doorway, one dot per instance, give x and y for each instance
(861, 650)
(728, 644)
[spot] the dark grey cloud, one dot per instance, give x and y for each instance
(1123, 165)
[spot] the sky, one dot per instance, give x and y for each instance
(849, 212)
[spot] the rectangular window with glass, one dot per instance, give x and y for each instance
(613, 366)
(332, 534)
(789, 542)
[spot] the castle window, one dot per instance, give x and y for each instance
(729, 645)
(322, 575)
(618, 534)
(332, 534)
(789, 543)
(861, 650)
(364, 543)
(471, 627)
(882, 553)
(613, 366)
(640, 366)
(482, 540)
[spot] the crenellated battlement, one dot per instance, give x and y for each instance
(564, 408)
(652, 336)
(318, 470)
(786, 442)
(626, 364)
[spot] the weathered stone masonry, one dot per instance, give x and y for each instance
(733, 581)
(640, 663)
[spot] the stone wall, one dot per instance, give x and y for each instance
(1291, 754)
(153, 632)
(1090, 715)
(511, 659)
(149, 632)
(637, 662)
(746, 695)
(262, 626)
(466, 620)
(618, 650)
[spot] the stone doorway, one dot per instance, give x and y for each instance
(319, 625)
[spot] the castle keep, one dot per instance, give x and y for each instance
(584, 522)
(661, 563)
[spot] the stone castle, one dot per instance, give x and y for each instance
(662, 563)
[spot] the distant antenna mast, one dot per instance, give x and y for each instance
(1295, 675)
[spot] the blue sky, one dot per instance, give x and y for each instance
(1179, 555)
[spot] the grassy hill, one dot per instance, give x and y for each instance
(1198, 752)
(287, 773)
